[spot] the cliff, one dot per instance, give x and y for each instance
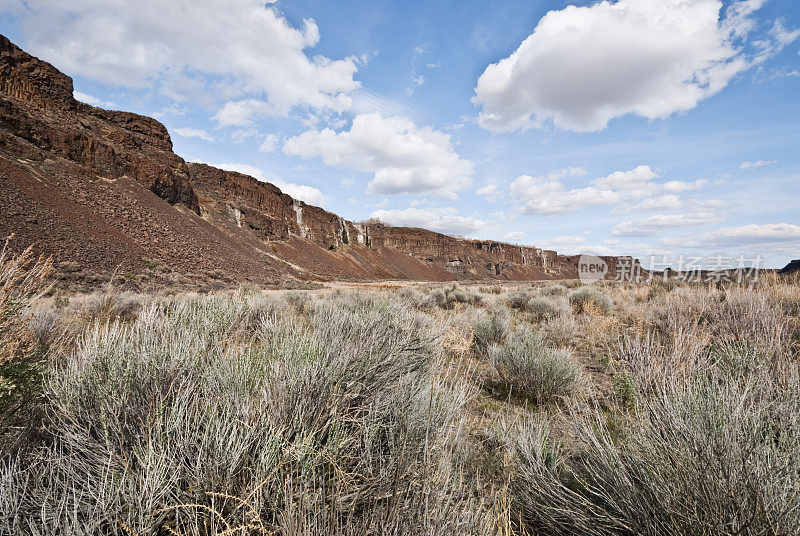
(102, 191)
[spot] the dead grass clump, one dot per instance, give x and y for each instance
(110, 305)
(561, 330)
(554, 289)
(24, 278)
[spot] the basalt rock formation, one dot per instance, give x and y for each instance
(101, 191)
(792, 268)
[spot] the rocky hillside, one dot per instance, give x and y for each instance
(101, 191)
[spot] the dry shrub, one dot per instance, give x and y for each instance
(44, 324)
(519, 300)
(528, 367)
(715, 453)
(491, 327)
(561, 330)
(109, 305)
(589, 299)
(23, 279)
(554, 289)
(542, 308)
(347, 424)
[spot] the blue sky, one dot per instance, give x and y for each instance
(644, 127)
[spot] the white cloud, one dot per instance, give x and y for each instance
(658, 222)
(771, 235)
(309, 194)
(85, 97)
(757, 164)
(189, 132)
(562, 243)
(547, 195)
(487, 191)
(403, 157)
(683, 186)
(671, 202)
(782, 35)
(491, 192)
(366, 102)
(660, 202)
(583, 66)
(778, 38)
(442, 220)
(270, 143)
(564, 201)
(576, 245)
(91, 99)
(242, 113)
(633, 178)
(240, 45)
(514, 236)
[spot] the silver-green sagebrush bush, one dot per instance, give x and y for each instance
(585, 298)
(179, 422)
(543, 308)
(527, 366)
(710, 446)
(713, 454)
(491, 327)
(342, 413)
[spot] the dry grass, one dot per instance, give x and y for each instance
(664, 408)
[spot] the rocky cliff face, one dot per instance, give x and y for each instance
(103, 190)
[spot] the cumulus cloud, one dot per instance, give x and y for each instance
(583, 66)
(757, 164)
(242, 113)
(628, 190)
(190, 132)
(490, 192)
(243, 46)
(309, 194)
(270, 143)
(562, 243)
(442, 220)
(547, 195)
(403, 157)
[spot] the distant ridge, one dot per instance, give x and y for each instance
(791, 268)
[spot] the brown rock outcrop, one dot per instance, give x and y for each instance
(103, 190)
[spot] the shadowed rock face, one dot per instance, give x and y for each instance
(103, 190)
(791, 268)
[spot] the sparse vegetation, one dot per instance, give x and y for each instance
(431, 409)
(527, 366)
(589, 299)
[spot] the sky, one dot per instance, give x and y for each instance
(664, 129)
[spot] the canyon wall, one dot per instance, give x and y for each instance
(103, 190)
